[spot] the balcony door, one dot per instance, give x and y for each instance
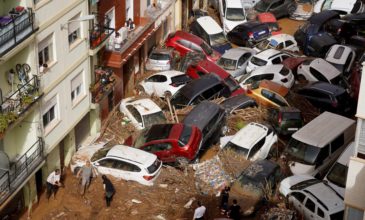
(129, 9)
(111, 16)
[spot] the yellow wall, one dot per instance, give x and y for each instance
(178, 10)
(70, 147)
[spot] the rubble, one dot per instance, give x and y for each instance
(279, 214)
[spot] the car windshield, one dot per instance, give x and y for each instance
(236, 148)
(302, 153)
(185, 135)
(327, 5)
(207, 49)
(262, 5)
(263, 44)
(227, 64)
(338, 215)
(231, 83)
(154, 166)
(258, 61)
(180, 100)
(154, 118)
(337, 175)
(235, 14)
(217, 39)
(273, 26)
(155, 132)
(159, 56)
(100, 153)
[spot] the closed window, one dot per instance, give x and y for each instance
(73, 30)
(49, 116)
(337, 143)
(280, 46)
(158, 147)
(257, 147)
(277, 60)
(157, 78)
(134, 113)
(323, 154)
(289, 43)
(184, 43)
(77, 88)
(125, 166)
(243, 59)
(298, 196)
(45, 51)
(309, 204)
(109, 163)
(50, 112)
(320, 212)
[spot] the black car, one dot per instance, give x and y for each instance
(209, 118)
(259, 176)
(279, 8)
(285, 120)
(207, 87)
(328, 97)
(249, 33)
(237, 102)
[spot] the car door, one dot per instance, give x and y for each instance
(296, 200)
(105, 166)
(309, 209)
(127, 170)
(163, 150)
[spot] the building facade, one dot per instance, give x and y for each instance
(355, 190)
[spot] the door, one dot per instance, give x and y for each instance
(126, 170)
(111, 16)
(38, 182)
(309, 210)
(162, 150)
(296, 200)
(105, 166)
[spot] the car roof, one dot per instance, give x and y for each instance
(209, 25)
(275, 87)
(169, 73)
(144, 106)
(260, 170)
(233, 4)
(266, 17)
(196, 86)
(202, 114)
(249, 135)
(267, 54)
(324, 128)
(327, 196)
(267, 69)
(237, 100)
(282, 37)
(189, 37)
(326, 87)
(132, 154)
(325, 68)
(236, 53)
(332, 57)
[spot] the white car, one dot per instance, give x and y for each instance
(142, 112)
(254, 141)
(341, 6)
(120, 161)
(164, 83)
(278, 42)
(235, 60)
(160, 59)
(318, 69)
(342, 57)
(313, 198)
(277, 73)
(266, 57)
(232, 14)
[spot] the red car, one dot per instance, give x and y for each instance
(172, 143)
(185, 42)
(202, 67)
(271, 21)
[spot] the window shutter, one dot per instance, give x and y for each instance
(361, 148)
(75, 82)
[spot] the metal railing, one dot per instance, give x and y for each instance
(16, 101)
(98, 34)
(21, 169)
(16, 30)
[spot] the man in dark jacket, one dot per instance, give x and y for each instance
(109, 190)
(235, 211)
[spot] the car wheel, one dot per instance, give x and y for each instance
(76, 170)
(182, 161)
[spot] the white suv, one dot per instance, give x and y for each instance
(119, 161)
(266, 57)
(254, 141)
(232, 14)
(312, 197)
(318, 69)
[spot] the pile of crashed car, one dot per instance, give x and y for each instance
(320, 63)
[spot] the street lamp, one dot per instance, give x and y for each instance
(82, 18)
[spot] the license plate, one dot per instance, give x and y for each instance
(292, 129)
(261, 32)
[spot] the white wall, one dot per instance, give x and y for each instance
(361, 104)
(355, 190)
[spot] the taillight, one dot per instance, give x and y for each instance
(249, 91)
(250, 34)
(148, 178)
(280, 117)
(173, 84)
(285, 80)
(334, 104)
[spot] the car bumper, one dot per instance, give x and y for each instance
(157, 67)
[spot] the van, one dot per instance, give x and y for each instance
(208, 29)
(232, 14)
(337, 175)
(317, 145)
(210, 118)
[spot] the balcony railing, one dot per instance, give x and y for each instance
(20, 170)
(14, 28)
(99, 34)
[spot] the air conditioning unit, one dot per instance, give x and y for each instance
(123, 31)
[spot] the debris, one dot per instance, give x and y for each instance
(60, 215)
(136, 201)
(189, 203)
(278, 213)
(160, 217)
(163, 185)
(134, 212)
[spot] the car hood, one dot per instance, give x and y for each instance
(301, 169)
(341, 5)
(288, 182)
(86, 152)
(229, 25)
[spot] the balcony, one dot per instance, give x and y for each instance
(16, 103)
(105, 80)
(11, 179)
(99, 35)
(15, 27)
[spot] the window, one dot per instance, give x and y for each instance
(337, 143)
(50, 112)
(280, 46)
(338, 53)
(125, 166)
(158, 147)
(320, 213)
(148, 3)
(289, 43)
(277, 4)
(243, 59)
(135, 113)
(45, 51)
(309, 204)
(77, 88)
(277, 60)
(318, 75)
(184, 43)
(73, 30)
(157, 78)
(323, 154)
(256, 147)
(298, 196)
(107, 163)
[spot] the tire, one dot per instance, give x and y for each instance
(76, 170)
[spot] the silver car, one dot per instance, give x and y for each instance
(160, 60)
(235, 60)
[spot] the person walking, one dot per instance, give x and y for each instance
(235, 211)
(199, 212)
(86, 172)
(109, 190)
(224, 200)
(53, 182)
